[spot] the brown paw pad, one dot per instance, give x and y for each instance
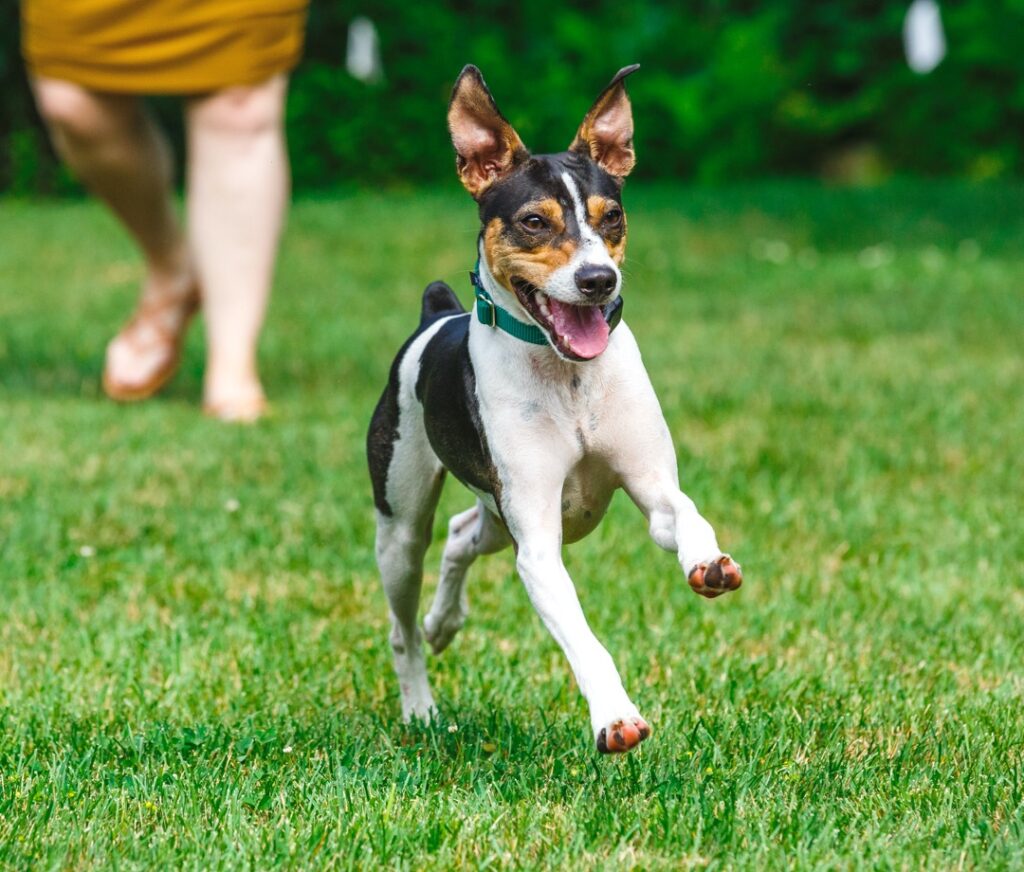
(717, 577)
(619, 736)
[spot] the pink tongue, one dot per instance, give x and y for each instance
(582, 329)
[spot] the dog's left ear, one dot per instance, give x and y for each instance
(606, 133)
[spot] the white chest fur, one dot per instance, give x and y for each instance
(555, 427)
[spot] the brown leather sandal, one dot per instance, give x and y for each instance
(152, 329)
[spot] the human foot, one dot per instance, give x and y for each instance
(144, 356)
(238, 400)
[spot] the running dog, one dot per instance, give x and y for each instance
(537, 401)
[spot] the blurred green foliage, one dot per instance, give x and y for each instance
(729, 88)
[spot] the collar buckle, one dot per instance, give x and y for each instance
(486, 310)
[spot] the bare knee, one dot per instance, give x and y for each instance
(242, 111)
(64, 106)
(76, 113)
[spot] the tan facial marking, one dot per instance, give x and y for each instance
(507, 260)
(549, 209)
(617, 250)
(596, 207)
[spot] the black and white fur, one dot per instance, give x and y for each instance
(541, 438)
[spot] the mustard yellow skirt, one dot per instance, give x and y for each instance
(162, 46)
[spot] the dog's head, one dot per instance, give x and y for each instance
(554, 231)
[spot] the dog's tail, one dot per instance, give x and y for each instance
(439, 299)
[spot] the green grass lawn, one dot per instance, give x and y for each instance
(194, 669)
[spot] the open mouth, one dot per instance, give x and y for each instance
(578, 332)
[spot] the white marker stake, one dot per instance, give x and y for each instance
(362, 57)
(923, 39)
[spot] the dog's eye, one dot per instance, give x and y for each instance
(533, 223)
(612, 218)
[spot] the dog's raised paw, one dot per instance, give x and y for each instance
(622, 735)
(439, 630)
(716, 577)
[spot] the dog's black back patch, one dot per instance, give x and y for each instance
(447, 389)
(439, 301)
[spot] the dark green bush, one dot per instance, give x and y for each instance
(728, 87)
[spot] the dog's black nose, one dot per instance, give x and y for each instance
(596, 281)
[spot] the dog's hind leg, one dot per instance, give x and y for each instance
(470, 533)
(403, 534)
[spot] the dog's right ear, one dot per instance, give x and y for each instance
(486, 145)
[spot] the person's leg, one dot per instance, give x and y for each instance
(238, 185)
(116, 150)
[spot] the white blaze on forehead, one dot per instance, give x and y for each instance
(591, 252)
(587, 233)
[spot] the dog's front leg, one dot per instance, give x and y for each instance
(651, 479)
(616, 723)
(676, 525)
